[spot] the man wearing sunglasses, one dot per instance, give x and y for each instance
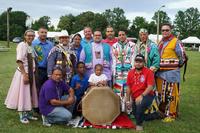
(168, 77)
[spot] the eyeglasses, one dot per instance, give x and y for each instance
(97, 35)
(167, 30)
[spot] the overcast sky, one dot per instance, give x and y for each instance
(56, 8)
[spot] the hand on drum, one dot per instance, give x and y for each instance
(102, 83)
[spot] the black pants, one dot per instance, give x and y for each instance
(138, 110)
(42, 77)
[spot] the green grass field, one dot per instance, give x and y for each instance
(188, 122)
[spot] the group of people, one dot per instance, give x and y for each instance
(52, 79)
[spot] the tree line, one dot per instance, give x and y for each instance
(187, 22)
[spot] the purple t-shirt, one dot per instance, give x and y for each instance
(51, 90)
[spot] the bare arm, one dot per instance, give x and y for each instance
(21, 66)
(146, 92)
(92, 84)
(128, 93)
(66, 102)
(25, 75)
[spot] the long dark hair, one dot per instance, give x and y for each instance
(75, 36)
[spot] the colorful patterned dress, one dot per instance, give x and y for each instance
(123, 60)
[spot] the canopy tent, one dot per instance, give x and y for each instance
(191, 40)
(153, 37)
(50, 34)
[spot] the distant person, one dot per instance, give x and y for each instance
(42, 48)
(56, 100)
(88, 36)
(110, 36)
(98, 78)
(168, 78)
(22, 94)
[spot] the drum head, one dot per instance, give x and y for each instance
(101, 106)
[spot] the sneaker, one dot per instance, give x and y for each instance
(30, 116)
(45, 121)
(74, 122)
(24, 120)
(139, 128)
(46, 124)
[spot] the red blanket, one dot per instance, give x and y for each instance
(122, 121)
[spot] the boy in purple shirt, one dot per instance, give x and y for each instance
(56, 100)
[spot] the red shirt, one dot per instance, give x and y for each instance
(138, 82)
(110, 42)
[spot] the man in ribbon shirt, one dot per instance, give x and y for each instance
(124, 52)
(62, 55)
(97, 53)
(173, 57)
(149, 50)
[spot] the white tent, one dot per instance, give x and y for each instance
(50, 34)
(153, 37)
(191, 40)
(81, 33)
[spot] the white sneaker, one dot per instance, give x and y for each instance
(46, 124)
(24, 120)
(139, 128)
(32, 118)
(45, 121)
(74, 122)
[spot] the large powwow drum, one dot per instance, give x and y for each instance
(101, 106)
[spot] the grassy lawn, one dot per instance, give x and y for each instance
(188, 122)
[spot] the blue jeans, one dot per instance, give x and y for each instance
(109, 82)
(139, 109)
(61, 114)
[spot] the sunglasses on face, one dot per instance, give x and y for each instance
(167, 30)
